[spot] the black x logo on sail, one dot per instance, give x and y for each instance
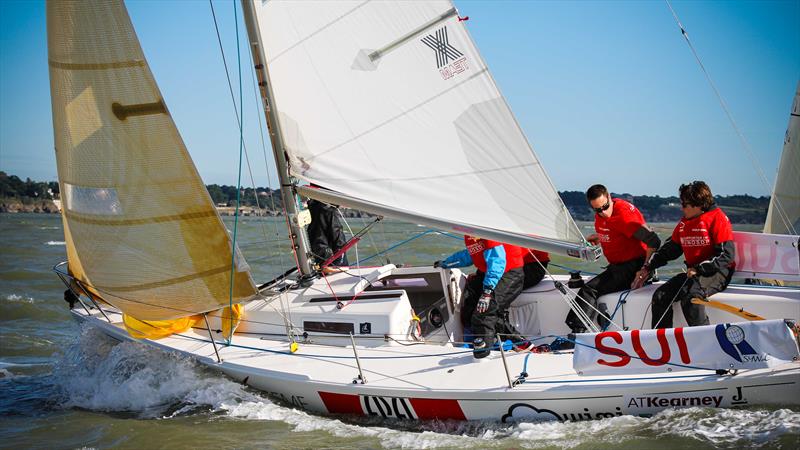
(444, 51)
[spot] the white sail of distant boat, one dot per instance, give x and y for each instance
(783, 216)
(140, 227)
(390, 105)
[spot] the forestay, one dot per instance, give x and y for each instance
(783, 216)
(747, 345)
(140, 227)
(390, 103)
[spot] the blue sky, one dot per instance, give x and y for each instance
(606, 91)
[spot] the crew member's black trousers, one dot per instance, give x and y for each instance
(616, 277)
(485, 325)
(534, 273)
(682, 290)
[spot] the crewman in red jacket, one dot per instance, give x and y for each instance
(627, 242)
(705, 238)
(496, 283)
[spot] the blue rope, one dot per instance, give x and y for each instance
(623, 298)
(525, 363)
(239, 181)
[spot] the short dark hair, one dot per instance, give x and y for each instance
(697, 193)
(596, 191)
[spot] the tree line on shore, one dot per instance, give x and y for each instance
(740, 208)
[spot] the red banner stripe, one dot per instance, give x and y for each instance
(341, 403)
(434, 408)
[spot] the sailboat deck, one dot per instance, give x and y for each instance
(421, 368)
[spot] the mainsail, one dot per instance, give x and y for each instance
(390, 105)
(783, 216)
(140, 227)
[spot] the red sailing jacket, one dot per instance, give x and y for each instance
(616, 233)
(699, 235)
(476, 246)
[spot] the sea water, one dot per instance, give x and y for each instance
(65, 386)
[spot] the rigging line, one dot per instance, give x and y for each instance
(573, 304)
(339, 211)
(260, 116)
(383, 237)
(417, 236)
(230, 89)
(742, 138)
(233, 101)
(239, 180)
(371, 239)
(672, 302)
(267, 300)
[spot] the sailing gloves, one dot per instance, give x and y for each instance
(483, 302)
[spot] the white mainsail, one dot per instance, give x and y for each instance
(140, 227)
(390, 104)
(783, 216)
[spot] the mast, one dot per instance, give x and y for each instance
(298, 236)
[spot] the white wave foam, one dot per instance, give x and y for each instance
(18, 298)
(129, 377)
(6, 374)
(55, 243)
(727, 426)
(98, 375)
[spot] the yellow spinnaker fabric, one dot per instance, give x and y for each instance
(157, 329)
(140, 227)
(229, 319)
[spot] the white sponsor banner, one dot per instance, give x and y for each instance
(760, 255)
(746, 345)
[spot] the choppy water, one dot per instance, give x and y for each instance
(66, 387)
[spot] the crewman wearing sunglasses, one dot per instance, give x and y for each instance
(627, 243)
(704, 237)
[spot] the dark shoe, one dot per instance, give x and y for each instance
(563, 344)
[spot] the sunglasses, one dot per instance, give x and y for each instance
(603, 208)
(686, 204)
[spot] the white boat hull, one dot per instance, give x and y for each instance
(439, 380)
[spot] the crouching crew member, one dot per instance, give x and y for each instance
(705, 238)
(534, 266)
(627, 242)
(489, 292)
(325, 233)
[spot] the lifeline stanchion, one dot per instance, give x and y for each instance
(85, 291)
(211, 337)
(505, 364)
(358, 362)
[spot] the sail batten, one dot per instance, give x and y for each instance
(390, 103)
(140, 228)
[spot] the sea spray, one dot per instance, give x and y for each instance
(99, 374)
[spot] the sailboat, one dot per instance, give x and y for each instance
(391, 108)
(783, 215)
